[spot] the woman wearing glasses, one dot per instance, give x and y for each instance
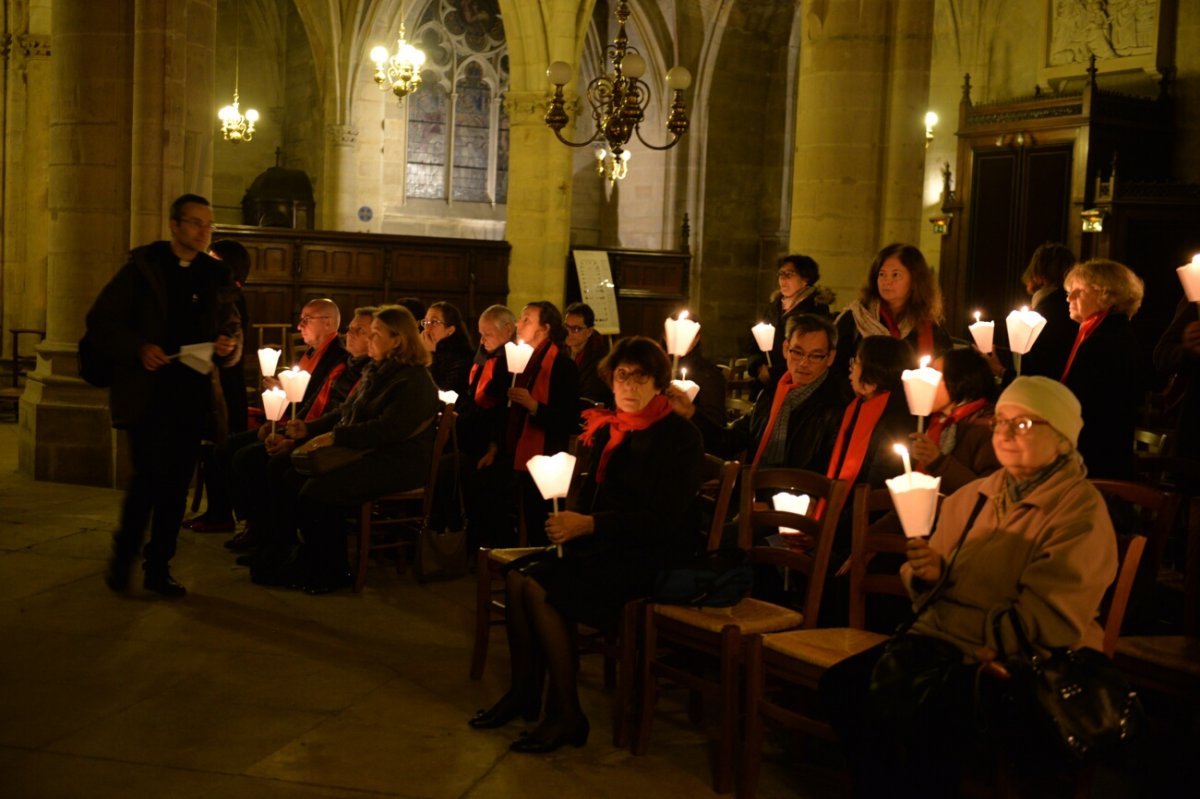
(798, 294)
(630, 519)
(447, 340)
(1037, 550)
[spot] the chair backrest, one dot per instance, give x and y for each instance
(814, 538)
(716, 494)
(445, 429)
(736, 408)
(1149, 442)
(868, 538)
(1161, 506)
(1131, 550)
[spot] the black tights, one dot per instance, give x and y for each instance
(538, 637)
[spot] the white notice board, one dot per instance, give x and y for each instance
(598, 290)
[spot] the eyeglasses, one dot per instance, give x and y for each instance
(308, 320)
(431, 323)
(786, 274)
(811, 357)
(199, 224)
(358, 330)
(636, 375)
(1019, 426)
(575, 329)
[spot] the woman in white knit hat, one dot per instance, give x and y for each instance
(1038, 549)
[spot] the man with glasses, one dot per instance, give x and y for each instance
(170, 294)
(795, 421)
(588, 348)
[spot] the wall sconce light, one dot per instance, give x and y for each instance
(1093, 220)
(941, 223)
(931, 120)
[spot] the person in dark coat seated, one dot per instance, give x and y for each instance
(588, 348)
(631, 518)
(794, 423)
(445, 336)
(709, 404)
(391, 419)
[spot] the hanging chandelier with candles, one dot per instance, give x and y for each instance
(236, 126)
(618, 101)
(400, 71)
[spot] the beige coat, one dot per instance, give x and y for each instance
(1051, 557)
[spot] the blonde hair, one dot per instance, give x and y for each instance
(409, 351)
(1122, 288)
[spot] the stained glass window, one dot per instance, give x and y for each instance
(425, 174)
(472, 126)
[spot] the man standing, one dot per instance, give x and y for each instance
(588, 348)
(169, 294)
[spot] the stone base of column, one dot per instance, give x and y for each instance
(66, 433)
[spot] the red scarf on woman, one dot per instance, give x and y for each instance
(1085, 331)
(619, 423)
(858, 424)
(924, 331)
(482, 399)
(531, 439)
(782, 389)
(940, 421)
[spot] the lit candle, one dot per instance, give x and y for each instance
(915, 496)
(791, 503)
(764, 334)
(1024, 326)
(680, 333)
(517, 356)
(274, 401)
(920, 388)
(448, 397)
(687, 387)
(552, 475)
(268, 359)
(294, 382)
(1189, 276)
(902, 451)
(983, 333)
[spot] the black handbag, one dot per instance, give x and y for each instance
(1074, 700)
(717, 579)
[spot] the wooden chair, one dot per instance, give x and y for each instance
(1151, 443)
(718, 634)
(801, 657)
(737, 407)
(371, 526)
(11, 395)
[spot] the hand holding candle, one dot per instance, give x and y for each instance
(552, 475)
(1024, 326)
(517, 355)
(294, 383)
(920, 388)
(915, 497)
(983, 333)
(764, 335)
(686, 386)
(274, 401)
(268, 360)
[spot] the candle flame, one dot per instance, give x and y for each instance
(925, 359)
(683, 315)
(1196, 259)
(900, 449)
(684, 371)
(977, 315)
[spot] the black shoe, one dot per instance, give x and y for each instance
(534, 744)
(245, 541)
(116, 576)
(327, 585)
(161, 582)
(501, 713)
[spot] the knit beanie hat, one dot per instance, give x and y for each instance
(1050, 400)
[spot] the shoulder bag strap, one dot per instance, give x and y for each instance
(941, 584)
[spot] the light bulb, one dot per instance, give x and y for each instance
(251, 115)
(931, 119)
(634, 66)
(678, 78)
(379, 54)
(559, 73)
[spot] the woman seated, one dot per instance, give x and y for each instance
(958, 444)
(900, 299)
(445, 336)
(390, 418)
(631, 519)
(1029, 545)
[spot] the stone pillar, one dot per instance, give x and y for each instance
(64, 431)
(539, 203)
(339, 195)
(853, 142)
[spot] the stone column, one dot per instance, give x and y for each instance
(849, 187)
(539, 203)
(64, 432)
(339, 195)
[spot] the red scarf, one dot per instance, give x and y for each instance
(482, 399)
(784, 387)
(924, 331)
(1085, 331)
(530, 438)
(619, 423)
(940, 421)
(850, 451)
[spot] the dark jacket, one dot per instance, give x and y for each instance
(591, 385)
(644, 521)
(451, 367)
(973, 455)
(812, 427)
(335, 355)
(558, 418)
(233, 380)
(1049, 353)
(816, 304)
(480, 425)
(710, 401)
(1108, 378)
(391, 403)
(1181, 370)
(131, 311)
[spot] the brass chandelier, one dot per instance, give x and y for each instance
(235, 126)
(618, 101)
(399, 71)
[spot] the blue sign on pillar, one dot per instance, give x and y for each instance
(365, 214)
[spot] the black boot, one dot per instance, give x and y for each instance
(159, 580)
(116, 576)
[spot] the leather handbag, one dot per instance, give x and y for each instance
(441, 555)
(1075, 700)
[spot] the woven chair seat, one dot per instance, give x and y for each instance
(749, 615)
(822, 647)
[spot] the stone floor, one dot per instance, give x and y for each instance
(240, 691)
